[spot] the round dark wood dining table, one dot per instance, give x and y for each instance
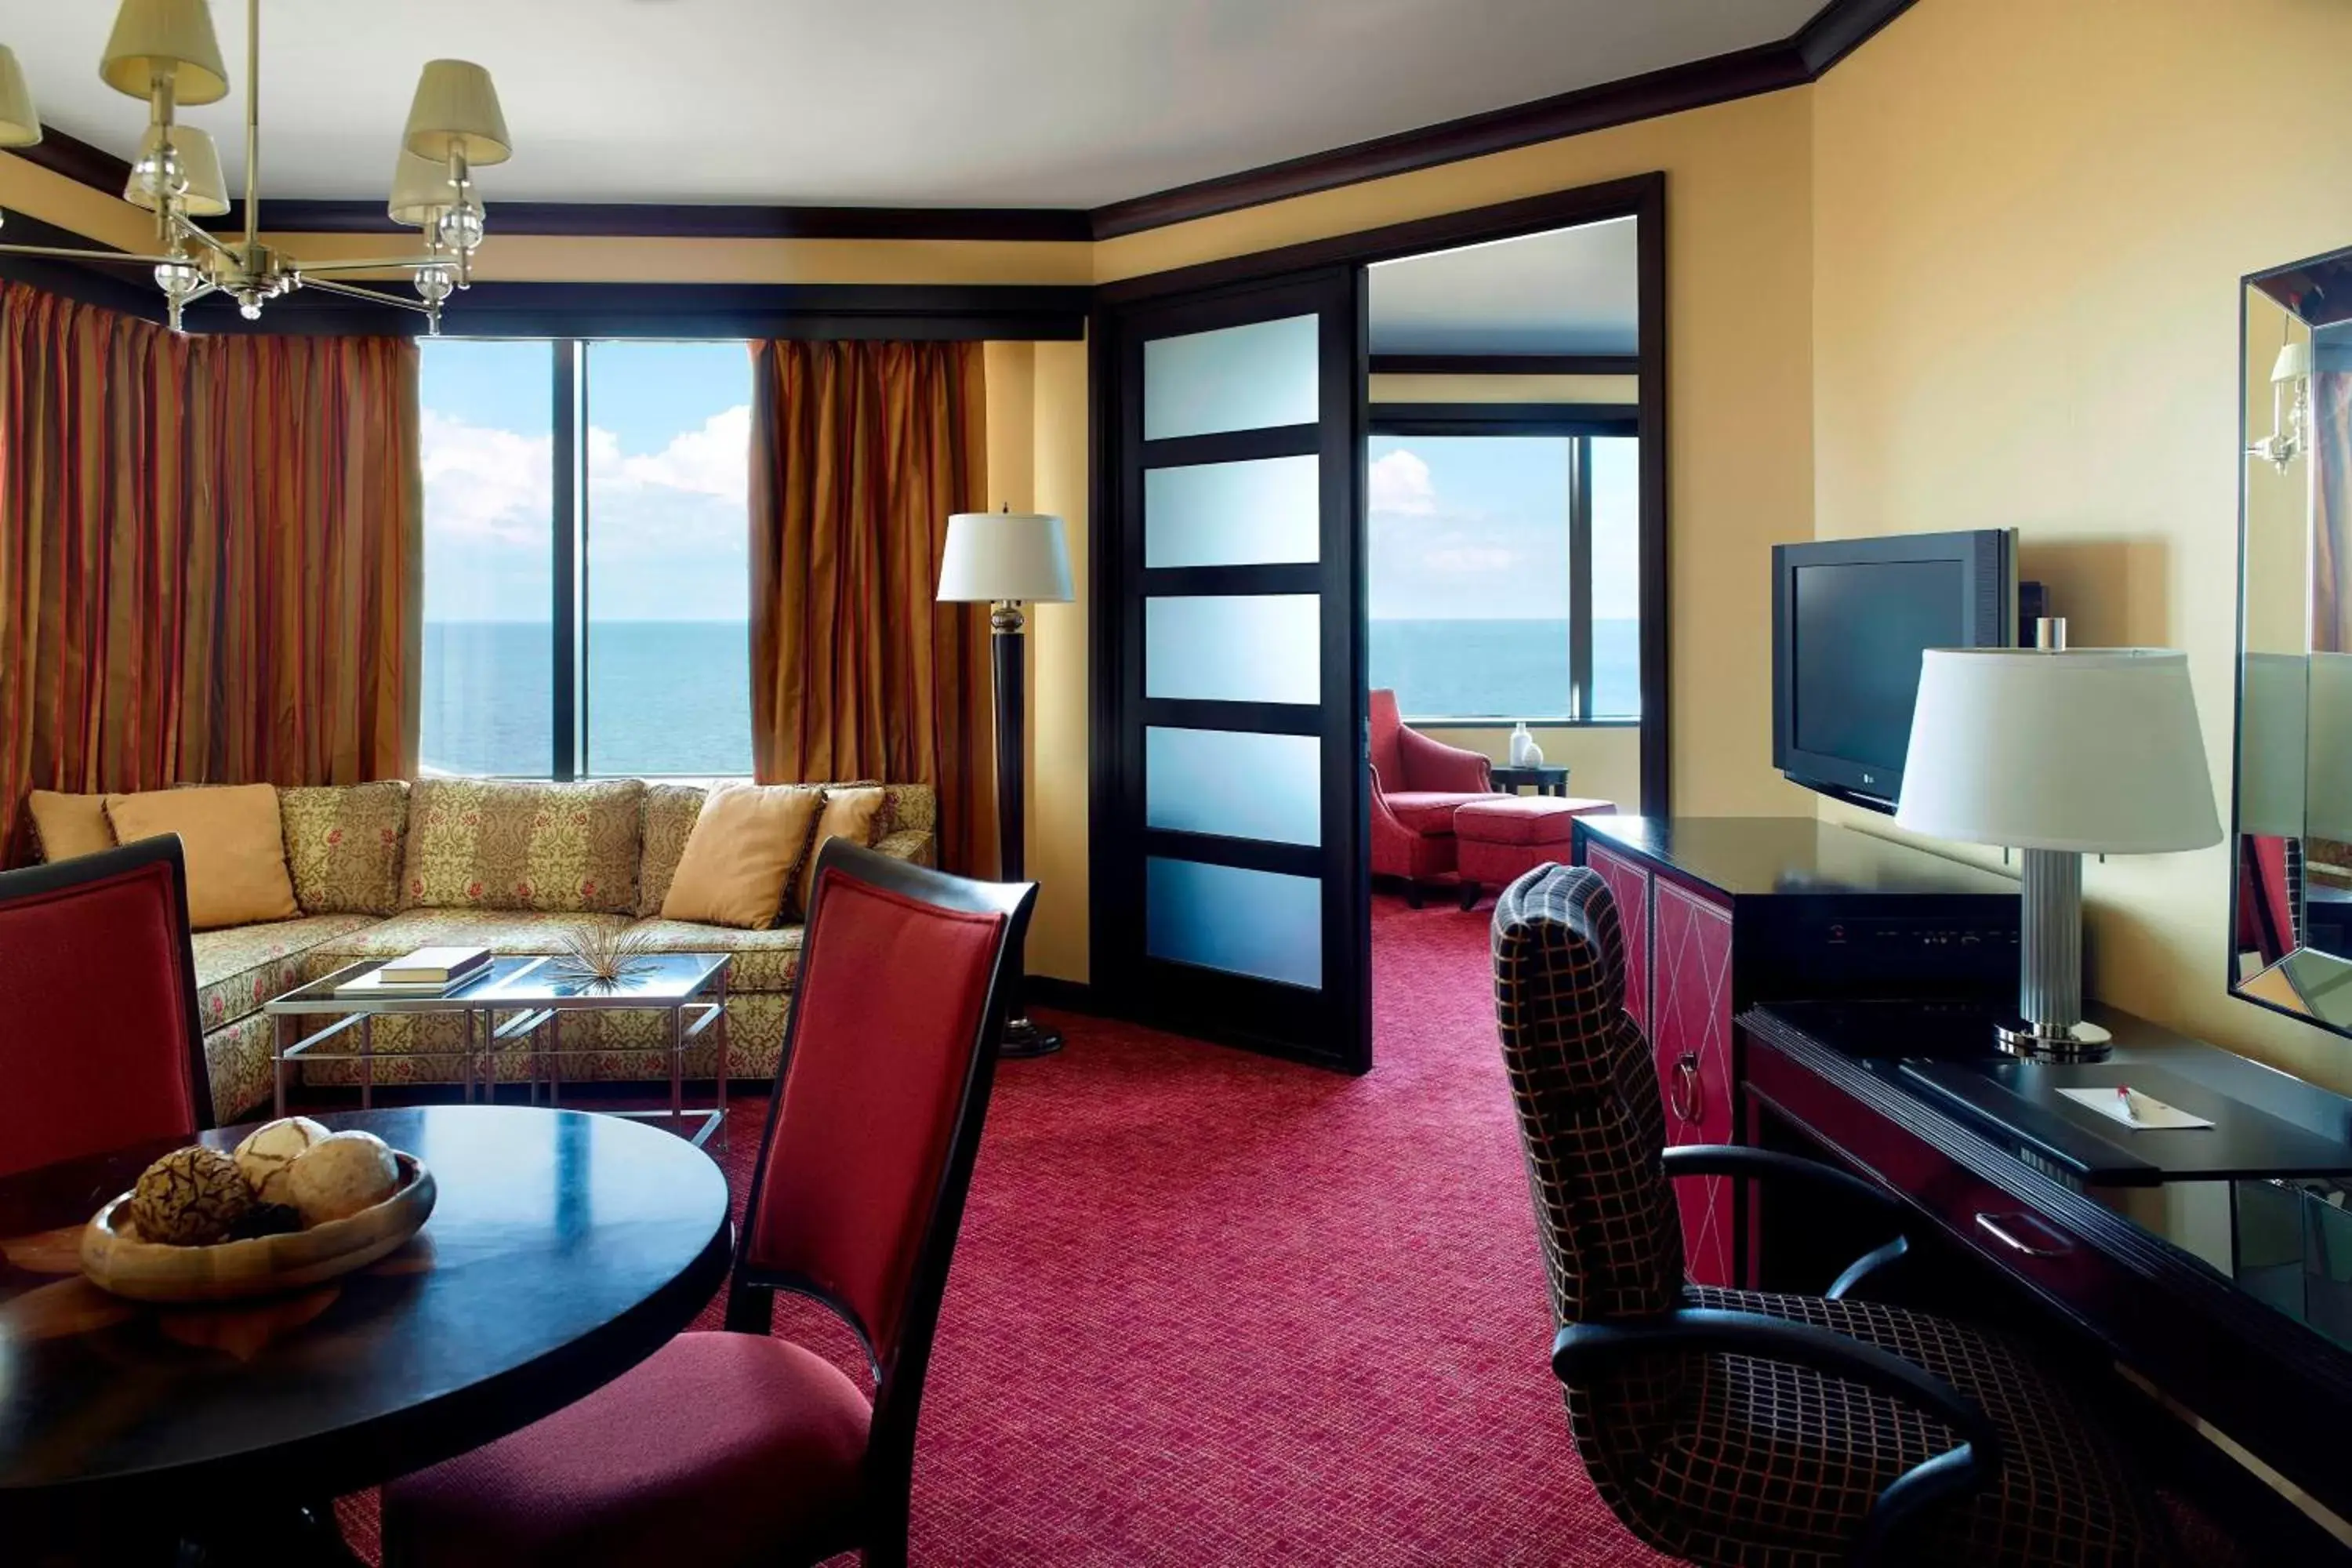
(564, 1247)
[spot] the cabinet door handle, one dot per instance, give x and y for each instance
(1992, 1227)
(1688, 1096)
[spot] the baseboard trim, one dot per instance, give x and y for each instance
(1062, 996)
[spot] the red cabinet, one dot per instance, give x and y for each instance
(1628, 885)
(1691, 1003)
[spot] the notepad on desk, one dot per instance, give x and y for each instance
(2123, 1103)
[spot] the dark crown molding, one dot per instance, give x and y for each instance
(1834, 32)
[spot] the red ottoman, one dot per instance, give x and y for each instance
(1501, 838)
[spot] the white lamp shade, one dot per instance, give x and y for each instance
(994, 555)
(20, 123)
(158, 37)
(420, 188)
(199, 159)
(2329, 811)
(2272, 745)
(2094, 750)
(2294, 362)
(456, 108)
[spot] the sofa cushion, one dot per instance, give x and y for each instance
(503, 931)
(239, 968)
(64, 825)
(233, 841)
(494, 844)
(764, 960)
(859, 813)
(741, 855)
(343, 846)
(664, 822)
(1426, 811)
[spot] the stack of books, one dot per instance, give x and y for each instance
(428, 971)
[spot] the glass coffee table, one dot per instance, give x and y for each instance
(522, 1000)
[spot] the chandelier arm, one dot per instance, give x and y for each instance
(370, 295)
(64, 253)
(211, 241)
(374, 264)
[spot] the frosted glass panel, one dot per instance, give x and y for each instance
(1240, 785)
(1233, 648)
(1235, 378)
(1247, 922)
(1232, 514)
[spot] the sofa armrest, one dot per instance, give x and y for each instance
(914, 844)
(1435, 765)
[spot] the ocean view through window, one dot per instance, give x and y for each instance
(645, 616)
(1473, 597)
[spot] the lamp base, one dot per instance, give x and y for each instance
(2053, 1042)
(1027, 1037)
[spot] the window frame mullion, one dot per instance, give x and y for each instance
(565, 687)
(1580, 577)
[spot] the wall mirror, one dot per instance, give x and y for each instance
(2292, 905)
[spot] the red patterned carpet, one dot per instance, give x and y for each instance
(1212, 1308)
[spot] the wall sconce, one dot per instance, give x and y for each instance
(2290, 410)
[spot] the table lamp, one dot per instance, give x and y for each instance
(1000, 559)
(2059, 753)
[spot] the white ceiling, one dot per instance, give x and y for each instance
(890, 103)
(1570, 291)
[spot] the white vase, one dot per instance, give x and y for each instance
(1534, 759)
(1524, 750)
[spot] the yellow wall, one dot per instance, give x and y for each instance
(1418, 388)
(2029, 223)
(1604, 760)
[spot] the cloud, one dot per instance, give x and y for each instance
(713, 460)
(1471, 558)
(1399, 484)
(484, 483)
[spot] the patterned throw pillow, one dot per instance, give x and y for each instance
(664, 824)
(492, 844)
(343, 846)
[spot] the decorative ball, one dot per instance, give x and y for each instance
(189, 1197)
(341, 1174)
(269, 1148)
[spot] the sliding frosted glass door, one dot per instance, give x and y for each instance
(1230, 891)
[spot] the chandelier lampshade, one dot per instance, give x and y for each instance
(456, 111)
(421, 188)
(20, 124)
(165, 38)
(199, 161)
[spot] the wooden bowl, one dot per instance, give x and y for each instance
(117, 1261)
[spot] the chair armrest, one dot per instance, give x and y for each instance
(1770, 1165)
(1435, 765)
(1579, 1351)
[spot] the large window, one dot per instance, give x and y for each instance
(586, 566)
(1506, 576)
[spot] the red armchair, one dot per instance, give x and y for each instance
(1416, 784)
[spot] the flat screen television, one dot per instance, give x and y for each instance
(1850, 620)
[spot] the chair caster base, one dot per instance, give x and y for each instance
(1026, 1037)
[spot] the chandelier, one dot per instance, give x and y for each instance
(165, 52)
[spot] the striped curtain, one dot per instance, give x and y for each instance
(859, 453)
(209, 555)
(2331, 506)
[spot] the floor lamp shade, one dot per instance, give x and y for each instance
(997, 556)
(1007, 559)
(2057, 752)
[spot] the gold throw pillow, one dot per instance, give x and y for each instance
(233, 842)
(70, 824)
(741, 852)
(854, 813)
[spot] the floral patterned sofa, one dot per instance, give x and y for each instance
(381, 869)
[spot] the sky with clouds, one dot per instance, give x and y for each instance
(669, 464)
(1475, 528)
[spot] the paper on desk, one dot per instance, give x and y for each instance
(2146, 1112)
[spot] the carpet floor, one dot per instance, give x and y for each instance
(1214, 1309)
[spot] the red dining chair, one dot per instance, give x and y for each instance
(737, 1447)
(101, 1044)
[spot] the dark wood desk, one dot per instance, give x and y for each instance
(2200, 1288)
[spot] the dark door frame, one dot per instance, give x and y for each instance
(1638, 197)
(1642, 197)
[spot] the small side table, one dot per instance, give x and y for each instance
(1546, 778)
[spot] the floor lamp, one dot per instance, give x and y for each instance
(1002, 559)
